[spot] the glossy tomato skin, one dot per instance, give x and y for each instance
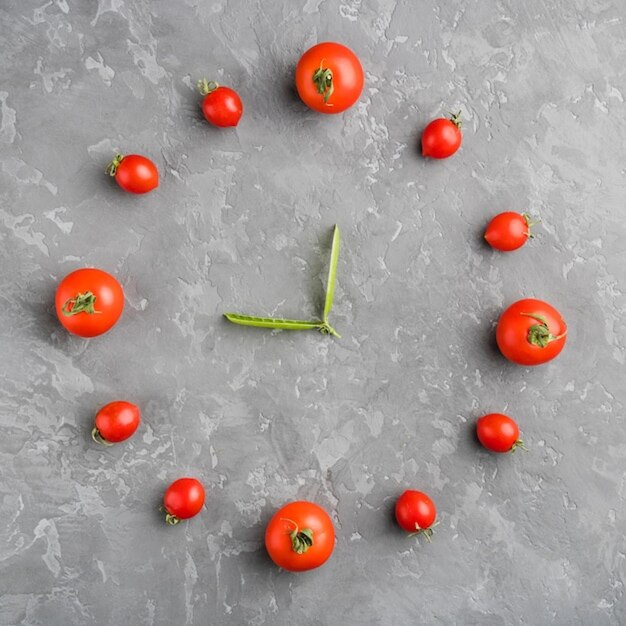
(137, 174)
(304, 515)
(514, 325)
(108, 304)
(508, 231)
(498, 432)
(347, 77)
(441, 138)
(183, 499)
(415, 511)
(117, 421)
(222, 107)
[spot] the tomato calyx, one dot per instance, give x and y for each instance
(326, 329)
(427, 532)
(82, 303)
(111, 169)
(529, 223)
(301, 539)
(170, 519)
(519, 444)
(539, 334)
(323, 80)
(456, 119)
(205, 86)
(98, 438)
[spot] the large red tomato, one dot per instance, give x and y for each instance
(300, 536)
(531, 332)
(88, 302)
(329, 78)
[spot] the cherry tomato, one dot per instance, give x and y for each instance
(442, 137)
(329, 78)
(88, 302)
(416, 513)
(134, 173)
(531, 332)
(116, 422)
(183, 499)
(221, 106)
(509, 231)
(300, 536)
(498, 433)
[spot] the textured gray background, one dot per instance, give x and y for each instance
(242, 220)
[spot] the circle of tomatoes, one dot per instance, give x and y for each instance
(416, 513)
(89, 302)
(183, 499)
(221, 106)
(134, 173)
(498, 433)
(531, 332)
(300, 536)
(115, 422)
(329, 78)
(442, 137)
(509, 231)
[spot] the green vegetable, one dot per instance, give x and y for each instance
(283, 324)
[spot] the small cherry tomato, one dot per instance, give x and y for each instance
(134, 173)
(416, 513)
(442, 137)
(300, 536)
(530, 332)
(509, 231)
(183, 499)
(498, 433)
(221, 106)
(329, 78)
(115, 422)
(89, 302)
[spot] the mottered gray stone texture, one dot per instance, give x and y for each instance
(242, 221)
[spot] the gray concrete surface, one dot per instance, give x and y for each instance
(242, 221)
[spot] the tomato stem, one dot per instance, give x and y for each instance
(98, 438)
(539, 334)
(456, 119)
(323, 80)
(172, 520)
(326, 329)
(206, 86)
(82, 303)
(111, 169)
(528, 219)
(427, 532)
(519, 444)
(301, 540)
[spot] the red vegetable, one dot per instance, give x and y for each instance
(89, 302)
(442, 137)
(531, 332)
(221, 106)
(329, 78)
(183, 499)
(134, 173)
(300, 536)
(509, 231)
(116, 422)
(498, 433)
(416, 513)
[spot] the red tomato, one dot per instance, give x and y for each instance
(442, 137)
(509, 231)
(416, 513)
(221, 106)
(300, 537)
(116, 422)
(498, 433)
(183, 499)
(531, 332)
(89, 302)
(329, 78)
(134, 173)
